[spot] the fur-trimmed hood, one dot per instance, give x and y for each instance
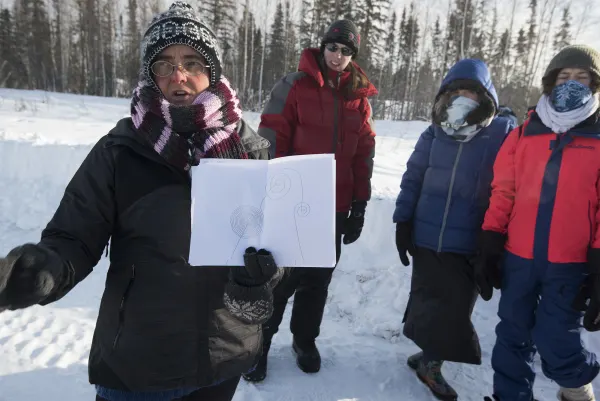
(472, 74)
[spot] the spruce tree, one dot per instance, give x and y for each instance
(563, 36)
(275, 63)
(7, 55)
(306, 27)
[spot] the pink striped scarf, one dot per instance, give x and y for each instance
(185, 134)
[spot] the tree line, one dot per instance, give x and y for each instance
(92, 46)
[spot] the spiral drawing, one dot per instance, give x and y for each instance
(247, 221)
(302, 209)
(279, 186)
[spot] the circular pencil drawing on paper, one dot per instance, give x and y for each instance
(247, 221)
(302, 209)
(279, 186)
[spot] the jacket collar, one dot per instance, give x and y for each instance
(588, 128)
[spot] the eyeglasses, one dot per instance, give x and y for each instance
(163, 68)
(346, 51)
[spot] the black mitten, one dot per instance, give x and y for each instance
(404, 242)
(355, 222)
(259, 267)
(488, 272)
(249, 292)
(591, 290)
(28, 275)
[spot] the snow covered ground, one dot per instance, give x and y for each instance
(44, 137)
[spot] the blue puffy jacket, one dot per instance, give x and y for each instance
(446, 187)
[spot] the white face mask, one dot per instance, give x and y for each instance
(455, 125)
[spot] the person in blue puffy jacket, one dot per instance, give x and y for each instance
(444, 194)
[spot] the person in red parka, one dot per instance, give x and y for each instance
(321, 108)
(540, 242)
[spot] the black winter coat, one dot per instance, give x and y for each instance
(162, 323)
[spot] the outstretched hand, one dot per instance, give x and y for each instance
(28, 275)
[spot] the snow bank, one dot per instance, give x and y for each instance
(45, 136)
(32, 180)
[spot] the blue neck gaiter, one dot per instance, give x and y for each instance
(569, 96)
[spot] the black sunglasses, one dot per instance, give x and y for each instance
(346, 51)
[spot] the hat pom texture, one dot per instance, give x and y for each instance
(180, 25)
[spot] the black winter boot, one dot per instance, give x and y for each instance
(308, 358)
(260, 372)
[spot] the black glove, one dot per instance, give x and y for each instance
(590, 290)
(28, 275)
(249, 292)
(259, 267)
(488, 269)
(404, 241)
(355, 222)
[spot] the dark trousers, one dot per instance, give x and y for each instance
(221, 392)
(310, 286)
(536, 315)
(441, 301)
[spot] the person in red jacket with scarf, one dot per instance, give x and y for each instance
(540, 243)
(321, 108)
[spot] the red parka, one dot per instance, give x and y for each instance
(546, 191)
(308, 113)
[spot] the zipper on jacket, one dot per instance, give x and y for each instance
(335, 120)
(448, 201)
(122, 307)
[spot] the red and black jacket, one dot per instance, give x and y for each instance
(307, 115)
(546, 191)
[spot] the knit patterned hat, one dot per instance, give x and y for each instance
(574, 56)
(345, 32)
(180, 25)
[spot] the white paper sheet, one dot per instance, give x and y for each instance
(285, 205)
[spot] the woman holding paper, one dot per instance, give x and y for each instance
(322, 108)
(166, 330)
